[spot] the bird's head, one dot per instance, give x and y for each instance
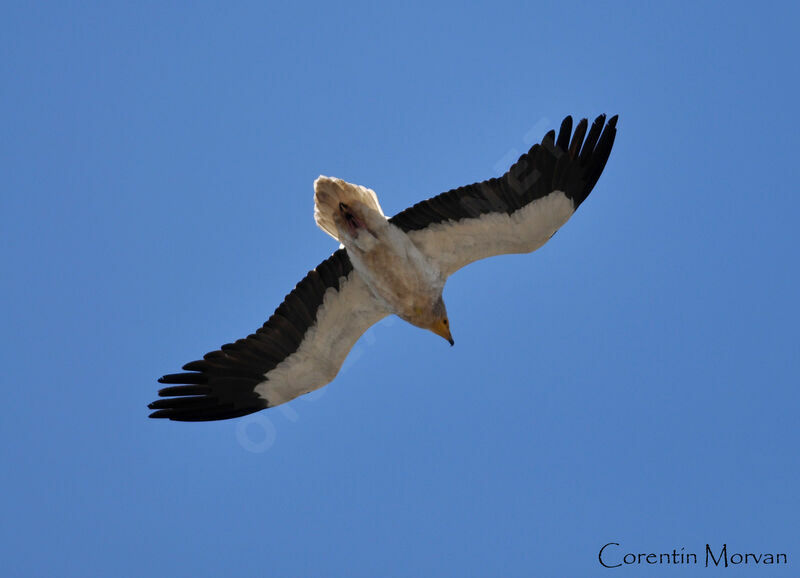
(438, 322)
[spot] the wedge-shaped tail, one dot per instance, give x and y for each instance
(329, 192)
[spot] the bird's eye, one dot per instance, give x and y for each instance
(445, 321)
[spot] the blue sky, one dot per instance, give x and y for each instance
(634, 381)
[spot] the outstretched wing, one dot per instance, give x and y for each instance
(299, 349)
(518, 212)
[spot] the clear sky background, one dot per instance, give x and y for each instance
(634, 381)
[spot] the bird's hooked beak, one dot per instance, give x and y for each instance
(442, 329)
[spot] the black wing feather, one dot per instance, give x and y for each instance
(221, 385)
(557, 163)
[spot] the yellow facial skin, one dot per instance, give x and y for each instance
(441, 327)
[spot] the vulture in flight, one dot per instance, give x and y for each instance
(385, 266)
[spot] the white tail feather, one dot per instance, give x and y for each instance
(329, 192)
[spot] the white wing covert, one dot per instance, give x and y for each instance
(299, 349)
(519, 211)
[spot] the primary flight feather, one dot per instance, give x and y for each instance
(388, 266)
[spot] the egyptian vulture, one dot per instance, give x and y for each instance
(388, 266)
